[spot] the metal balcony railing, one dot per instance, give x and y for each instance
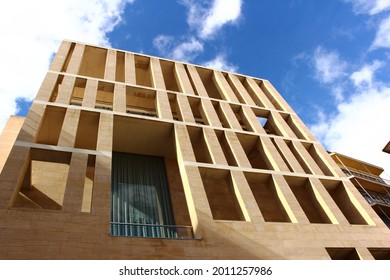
(151, 230)
(372, 178)
(373, 197)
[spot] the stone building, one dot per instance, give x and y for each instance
(128, 156)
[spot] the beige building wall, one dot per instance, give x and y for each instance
(8, 137)
(247, 180)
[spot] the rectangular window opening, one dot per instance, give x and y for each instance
(227, 151)
(234, 88)
(338, 192)
(141, 101)
(176, 114)
(206, 75)
(93, 63)
(220, 114)
(168, 71)
(282, 155)
(78, 92)
(294, 127)
(252, 92)
(269, 95)
(343, 253)
(254, 151)
(267, 198)
(44, 183)
(51, 125)
(197, 110)
(380, 253)
(241, 118)
(104, 96)
(298, 157)
(191, 81)
(140, 199)
(143, 74)
(267, 122)
(221, 194)
(304, 193)
(199, 145)
(87, 130)
(120, 67)
(318, 160)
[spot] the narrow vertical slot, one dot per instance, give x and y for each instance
(88, 185)
(199, 145)
(120, 67)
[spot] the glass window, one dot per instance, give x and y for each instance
(140, 201)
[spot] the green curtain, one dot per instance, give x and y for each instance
(140, 201)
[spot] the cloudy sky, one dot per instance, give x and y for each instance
(329, 59)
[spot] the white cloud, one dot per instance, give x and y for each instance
(184, 51)
(328, 65)
(163, 43)
(209, 19)
(221, 13)
(220, 63)
(382, 37)
(31, 32)
(360, 126)
(364, 77)
(205, 19)
(338, 92)
(371, 7)
(188, 50)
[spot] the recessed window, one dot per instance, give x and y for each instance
(380, 253)
(87, 130)
(78, 92)
(50, 129)
(241, 118)
(342, 198)
(104, 96)
(227, 151)
(307, 198)
(93, 63)
(264, 190)
(254, 150)
(142, 71)
(221, 194)
(221, 115)
(120, 67)
(266, 120)
(141, 101)
(45, 180)
(268, 94)
(197, 110)
(168, 71)
(199, 145)
(140, 201)
(206, 75)
(343, 253)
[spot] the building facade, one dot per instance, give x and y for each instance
(128, 156)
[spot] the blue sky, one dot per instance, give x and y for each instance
(329, 59)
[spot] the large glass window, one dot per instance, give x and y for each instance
(140, 202)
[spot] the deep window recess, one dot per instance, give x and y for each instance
(140, 201)
(343, 253)
(380, 253)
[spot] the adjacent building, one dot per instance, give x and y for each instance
(128, 156)
(366, 178)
